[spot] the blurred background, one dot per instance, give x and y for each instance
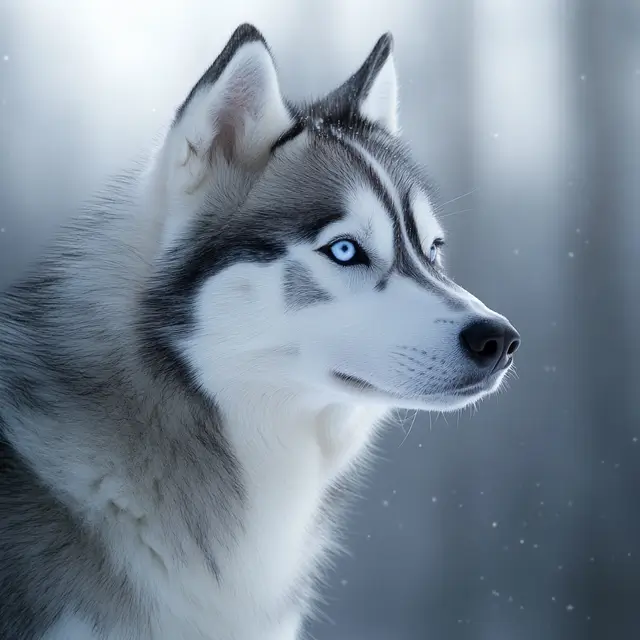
(521, 520)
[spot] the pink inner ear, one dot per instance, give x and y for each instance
(230, 128)
(240, 103)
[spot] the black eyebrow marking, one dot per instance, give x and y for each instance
(412, 231)
(367, 170)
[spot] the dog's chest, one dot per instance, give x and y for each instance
(253, 593)
(288, 471)
(262, 562)
(278, 541)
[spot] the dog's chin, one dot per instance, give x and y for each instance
(458, 398)
(443, 400)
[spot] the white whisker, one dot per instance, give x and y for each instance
(464, 195)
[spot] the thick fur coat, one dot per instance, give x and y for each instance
(199, 361)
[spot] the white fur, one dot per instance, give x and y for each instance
(428, 227)
(381, 103)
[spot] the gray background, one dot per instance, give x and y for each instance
(521, 520)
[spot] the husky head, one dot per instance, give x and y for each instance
(301, 251)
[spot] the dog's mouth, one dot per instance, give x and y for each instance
(467, 388)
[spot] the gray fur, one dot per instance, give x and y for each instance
(47, 555)
(300, 289)
(89, 366)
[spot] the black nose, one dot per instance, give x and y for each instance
(490, 343)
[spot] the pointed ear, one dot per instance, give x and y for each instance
(236, 111)
(373, 88)
(379, 101)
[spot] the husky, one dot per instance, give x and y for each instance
(202, 359)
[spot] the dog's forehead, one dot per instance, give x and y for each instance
(367, 218)
(321, 178)
(393, 171)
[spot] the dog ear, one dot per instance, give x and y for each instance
(373, 88)
(236, 111)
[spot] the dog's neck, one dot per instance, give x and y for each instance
(268, 420)
(291, 451)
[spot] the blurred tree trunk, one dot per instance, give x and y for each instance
(607, 38)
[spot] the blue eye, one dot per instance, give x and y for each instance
(345, 252)
(435, 250)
